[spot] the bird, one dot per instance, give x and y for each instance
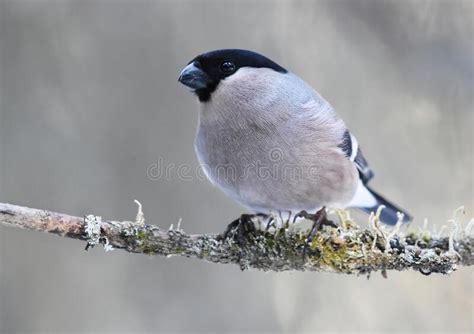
(272, 143)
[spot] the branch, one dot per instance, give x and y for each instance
(347, 249)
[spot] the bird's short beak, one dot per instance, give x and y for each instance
(193, 77)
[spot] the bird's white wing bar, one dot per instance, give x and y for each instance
(350, 147)
(355, 147)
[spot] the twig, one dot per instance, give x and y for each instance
(343, 250)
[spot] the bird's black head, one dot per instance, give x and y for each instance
(204, 72)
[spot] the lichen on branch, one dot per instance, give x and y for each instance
(346, 249)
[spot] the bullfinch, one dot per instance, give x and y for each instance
(272, 143)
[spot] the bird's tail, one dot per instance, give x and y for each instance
(389, 213)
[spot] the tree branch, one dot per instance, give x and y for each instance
(347, 249)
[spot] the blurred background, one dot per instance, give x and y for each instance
(90, 100)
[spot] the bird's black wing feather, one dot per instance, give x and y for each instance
(349, 145)
(346, 144)
(365, 173)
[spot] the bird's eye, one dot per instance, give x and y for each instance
(227, 67)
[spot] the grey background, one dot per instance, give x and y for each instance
(90, 98)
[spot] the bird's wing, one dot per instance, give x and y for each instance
(351, 149)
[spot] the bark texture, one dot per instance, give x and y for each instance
(346, 249)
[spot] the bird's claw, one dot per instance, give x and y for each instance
(319, 220)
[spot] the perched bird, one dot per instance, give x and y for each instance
(272, 143)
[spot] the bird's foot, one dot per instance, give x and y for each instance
(271, 222)
(241, 227)
(319, 220)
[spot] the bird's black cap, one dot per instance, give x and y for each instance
(204, 72)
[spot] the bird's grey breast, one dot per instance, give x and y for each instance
(243, 122)
(262, 138)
